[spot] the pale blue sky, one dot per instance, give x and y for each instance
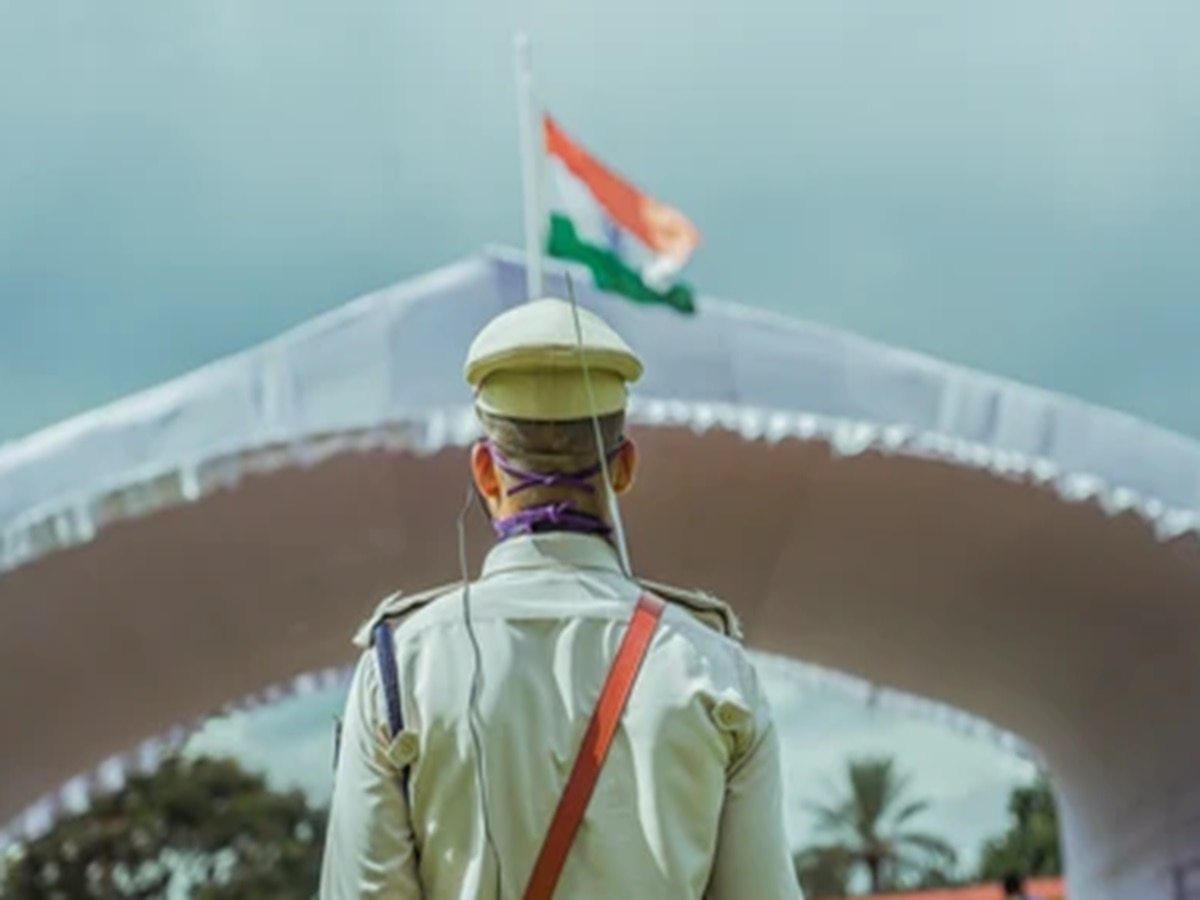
(1012, 186)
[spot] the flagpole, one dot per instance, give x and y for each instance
(531, 170)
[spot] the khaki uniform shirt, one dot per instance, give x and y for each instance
(688, 805)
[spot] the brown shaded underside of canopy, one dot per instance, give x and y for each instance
(1073, 629)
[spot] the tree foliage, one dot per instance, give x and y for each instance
(824, 870)
(203, 828)
(867, 838)
(1031, 844)
(868, 831)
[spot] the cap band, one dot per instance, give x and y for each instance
(551, 396)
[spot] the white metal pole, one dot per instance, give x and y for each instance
(531, 170)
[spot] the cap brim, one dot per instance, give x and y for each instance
(552, 396)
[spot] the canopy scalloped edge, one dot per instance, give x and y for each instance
(747, 370)
(76, 795)
(69, 522)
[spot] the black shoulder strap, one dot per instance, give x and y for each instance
(385, 657)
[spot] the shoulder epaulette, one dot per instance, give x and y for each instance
(397, 606)
(710, 610)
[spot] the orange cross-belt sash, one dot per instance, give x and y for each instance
(596, 742)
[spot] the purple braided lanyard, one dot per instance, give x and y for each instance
(560, 516)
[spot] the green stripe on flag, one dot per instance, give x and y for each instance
(609, 271)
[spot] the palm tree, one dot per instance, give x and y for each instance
(869, 830)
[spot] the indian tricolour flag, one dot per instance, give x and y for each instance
(633, 244)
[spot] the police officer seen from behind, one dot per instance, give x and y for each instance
(555, 728)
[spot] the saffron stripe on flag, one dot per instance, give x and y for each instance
(660, 227)
(620, 199)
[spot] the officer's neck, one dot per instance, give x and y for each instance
(510, 505)
(549, 515)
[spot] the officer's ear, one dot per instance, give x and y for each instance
(624, 467)
(483, 470)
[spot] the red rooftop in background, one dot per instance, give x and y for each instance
(1038, 889)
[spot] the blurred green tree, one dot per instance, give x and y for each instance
(203, 828)
(1031, 844)
(824, 871)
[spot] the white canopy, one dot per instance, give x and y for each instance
(1015, 554)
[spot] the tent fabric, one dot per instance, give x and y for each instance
(926, 514)
(368, 364)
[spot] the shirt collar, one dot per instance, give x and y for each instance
(555, 549)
